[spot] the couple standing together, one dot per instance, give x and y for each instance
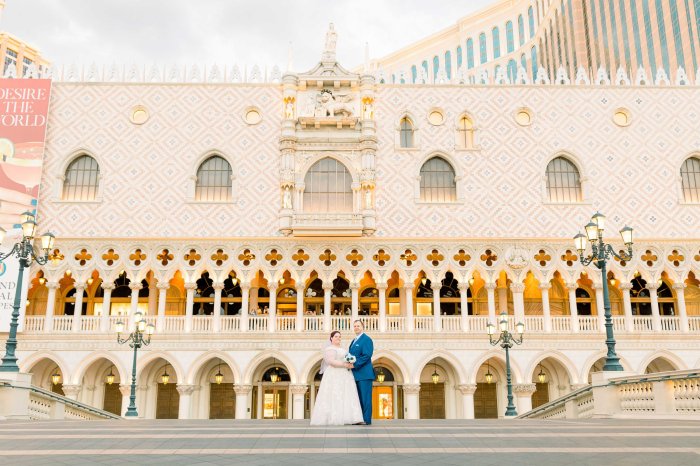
(345, 394)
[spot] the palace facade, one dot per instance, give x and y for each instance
(247, 217)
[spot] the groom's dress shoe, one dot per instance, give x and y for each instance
(359, 424)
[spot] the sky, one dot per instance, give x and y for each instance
(206, 32)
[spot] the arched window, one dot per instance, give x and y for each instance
(81, 180)
(510, 40)
(583, 302)
(531, 21)
(465, 133)
(448, 64)
(523, 61)
(521, 30)
(425, 68)
(533, 61)
(414, 74)
(496, 42)
(563, 181)
(482, 48)
(406, 133)
(213, 180)
(690, 179)
(437, 181)
(470, 54)
(459, 56)
(328, 187)
(436, 66)
(512, 70)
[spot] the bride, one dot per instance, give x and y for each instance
(337, 402)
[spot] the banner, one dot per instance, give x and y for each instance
(24, 109)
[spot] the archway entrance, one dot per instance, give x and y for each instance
(272, 400)
(437, 395)
(490, 376)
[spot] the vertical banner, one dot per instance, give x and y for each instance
(24, 108)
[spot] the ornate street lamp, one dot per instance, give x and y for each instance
(601, 253)
(136, 340)
(219, 377)
(507, 340)
(24, 251)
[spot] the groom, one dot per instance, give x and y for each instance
(362, 347)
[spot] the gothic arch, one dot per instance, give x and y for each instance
(499, 355)
(456, 365)
(85, 364)
(560, 358)
(261, 357)
(395, 360)
(661, 354)
(169, 358)
(197, 365)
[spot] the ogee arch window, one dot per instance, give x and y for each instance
(437, 181)
(81, 180)
(690, 180)
(406, 133)
(214, 180)
(328, 187)
(563, 181)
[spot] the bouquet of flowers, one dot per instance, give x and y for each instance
(350, 358)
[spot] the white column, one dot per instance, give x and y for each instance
(327, 287)
(72, 391)
(189, 305)
(546, 314)
(680, 299)
(381, 291)
(491, 301)
(216, 316)
(437, 320)
(573, 310)
(355, 301)
(395, 401)
(518, 301)
(245, 308)
(106, 305)
(300, 307)
(600, 306)
(523, 393)
(78, 309)
(502, 300)
(654, 297)
(464, 305)
(242, 400)
(411, 401)
(259, 403)
(134, 304)
(272, 309)
(51, 306)
(467, 392)
(408, 294)
(152, 302)
(298, 392)
(185, 392)
(162, 301)
(627, 305)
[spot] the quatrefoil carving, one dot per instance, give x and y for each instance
(192, 257)
(649, 257)
(165, 257)
(489, 257)
(137, 257)
(56, 256)
(300, 257)
(110, 257)
(409, 257)
(327, 257)
(462, 257)
(273, 257)
(246, 257)
(381, 258)
(569, 258)
(435, 257)
(676, 258)
(219, 257)
(542, 257)
(354, 257)
(83, 257)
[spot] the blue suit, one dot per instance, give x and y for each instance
(362, 348)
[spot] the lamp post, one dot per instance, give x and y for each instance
(136, 340)
(24, 251)
(507, 340)
(601, 253)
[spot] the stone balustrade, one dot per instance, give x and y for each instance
(374, 324)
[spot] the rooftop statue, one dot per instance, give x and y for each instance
(329, 49)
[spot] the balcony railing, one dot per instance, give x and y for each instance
(207, 324)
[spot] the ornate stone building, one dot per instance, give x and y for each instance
(248, 219)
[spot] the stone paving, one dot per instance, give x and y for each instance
(287, 443)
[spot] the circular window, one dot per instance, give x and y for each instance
(139, 115)
(436, 117)
(622, 117)
(253, 116)
(523, 117)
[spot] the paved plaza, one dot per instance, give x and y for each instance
(386, 443)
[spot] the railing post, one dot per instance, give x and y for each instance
(272, 309)
(381, 289)
(573, 310)
(354, 301)
(300, 307)
(680, 299)
(106, 306)
(664, 397)
(437, 318)
(464, 312)
(408, 295)
(189, 305)
(546, 313)
(245, 308)
(327, 288)
(654, 298)
(216, 315)
(78, 308)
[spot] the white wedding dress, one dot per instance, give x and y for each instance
(337, 402)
